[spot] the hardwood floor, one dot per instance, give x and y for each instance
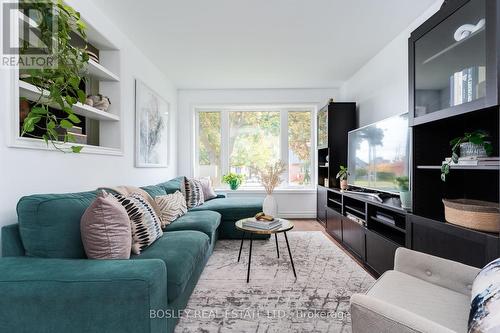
(313, 225)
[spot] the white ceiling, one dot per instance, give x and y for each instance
(211, 44)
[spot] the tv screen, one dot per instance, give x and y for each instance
(378, 154)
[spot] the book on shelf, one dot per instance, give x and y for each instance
(385, 218)
(474, 161)
(264, 225)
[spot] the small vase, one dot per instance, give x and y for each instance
(405, 197)
(234, 185)
(343, 184)
(270, 206)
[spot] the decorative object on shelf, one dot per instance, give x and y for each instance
(466, 30)
(64, 79)
(326, 182)
(24, 110)
(473, 214)
(234, 180)
(404, 192)
(98, 101)
(343, 174)
(93, 56)
(89, 101)
(270, 178)
(152, 128)
(476, 144)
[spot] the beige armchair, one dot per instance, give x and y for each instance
(422, 294)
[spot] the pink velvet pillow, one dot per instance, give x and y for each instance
(105, 229)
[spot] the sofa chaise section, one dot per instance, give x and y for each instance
(80, 295)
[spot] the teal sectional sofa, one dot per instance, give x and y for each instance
(48, 285)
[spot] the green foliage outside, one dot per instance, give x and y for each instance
(254, 139)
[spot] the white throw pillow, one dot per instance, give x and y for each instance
(172, 206)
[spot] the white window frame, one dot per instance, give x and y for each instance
(224, 110)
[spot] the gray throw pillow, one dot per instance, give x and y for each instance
(105, 229)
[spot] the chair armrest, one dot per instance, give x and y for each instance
(369, 315)
(67, 295)
(442, 272)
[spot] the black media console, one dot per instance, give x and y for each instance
(371, 230)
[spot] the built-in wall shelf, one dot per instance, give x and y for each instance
(460, 167)
(34, 93)
(101, 73)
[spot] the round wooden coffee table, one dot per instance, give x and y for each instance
(285, 226)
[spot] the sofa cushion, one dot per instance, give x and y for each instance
(173, 185)
(485, 304)
(154, 190)
(49, 224)
(441, 305)
(233, 209)
(182, 252)
(206, 222)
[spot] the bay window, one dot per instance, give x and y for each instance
(246, 139)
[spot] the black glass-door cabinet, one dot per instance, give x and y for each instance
(453, 60)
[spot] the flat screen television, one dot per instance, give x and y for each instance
(379, 153)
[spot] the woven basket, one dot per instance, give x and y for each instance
(473, 214)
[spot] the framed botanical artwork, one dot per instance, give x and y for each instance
(151, 128)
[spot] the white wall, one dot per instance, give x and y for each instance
(290, 203)
(380, 87)
(25, 172)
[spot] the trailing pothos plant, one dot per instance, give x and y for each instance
(477, 137)
(61, 81)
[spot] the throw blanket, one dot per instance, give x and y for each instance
(129, 190)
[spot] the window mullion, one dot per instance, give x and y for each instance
(284, 144)
(224, 142)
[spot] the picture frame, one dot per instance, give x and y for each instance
(152, 128)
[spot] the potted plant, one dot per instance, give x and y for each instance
(270, 178)
(62, 81)
(470, 145)
(404, 191)
(233, 179)
(343, 174)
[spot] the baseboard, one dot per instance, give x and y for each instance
(298, 215)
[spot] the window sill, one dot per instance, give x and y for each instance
(289, 190)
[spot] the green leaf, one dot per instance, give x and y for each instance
(454, 157)
(66, 124)
(74, 119)
(443, 177)
(39, 110)
(81, 96)
(76, 149)
(74, 82)
(46, 139)
(489, 148)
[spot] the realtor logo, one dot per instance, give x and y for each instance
(29, 34)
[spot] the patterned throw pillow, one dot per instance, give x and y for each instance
(145, 224)
(194, 193)
(172, 206)
(485, 306)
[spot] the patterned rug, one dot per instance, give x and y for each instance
(273, 301)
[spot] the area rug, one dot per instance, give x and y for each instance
(273, 301)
